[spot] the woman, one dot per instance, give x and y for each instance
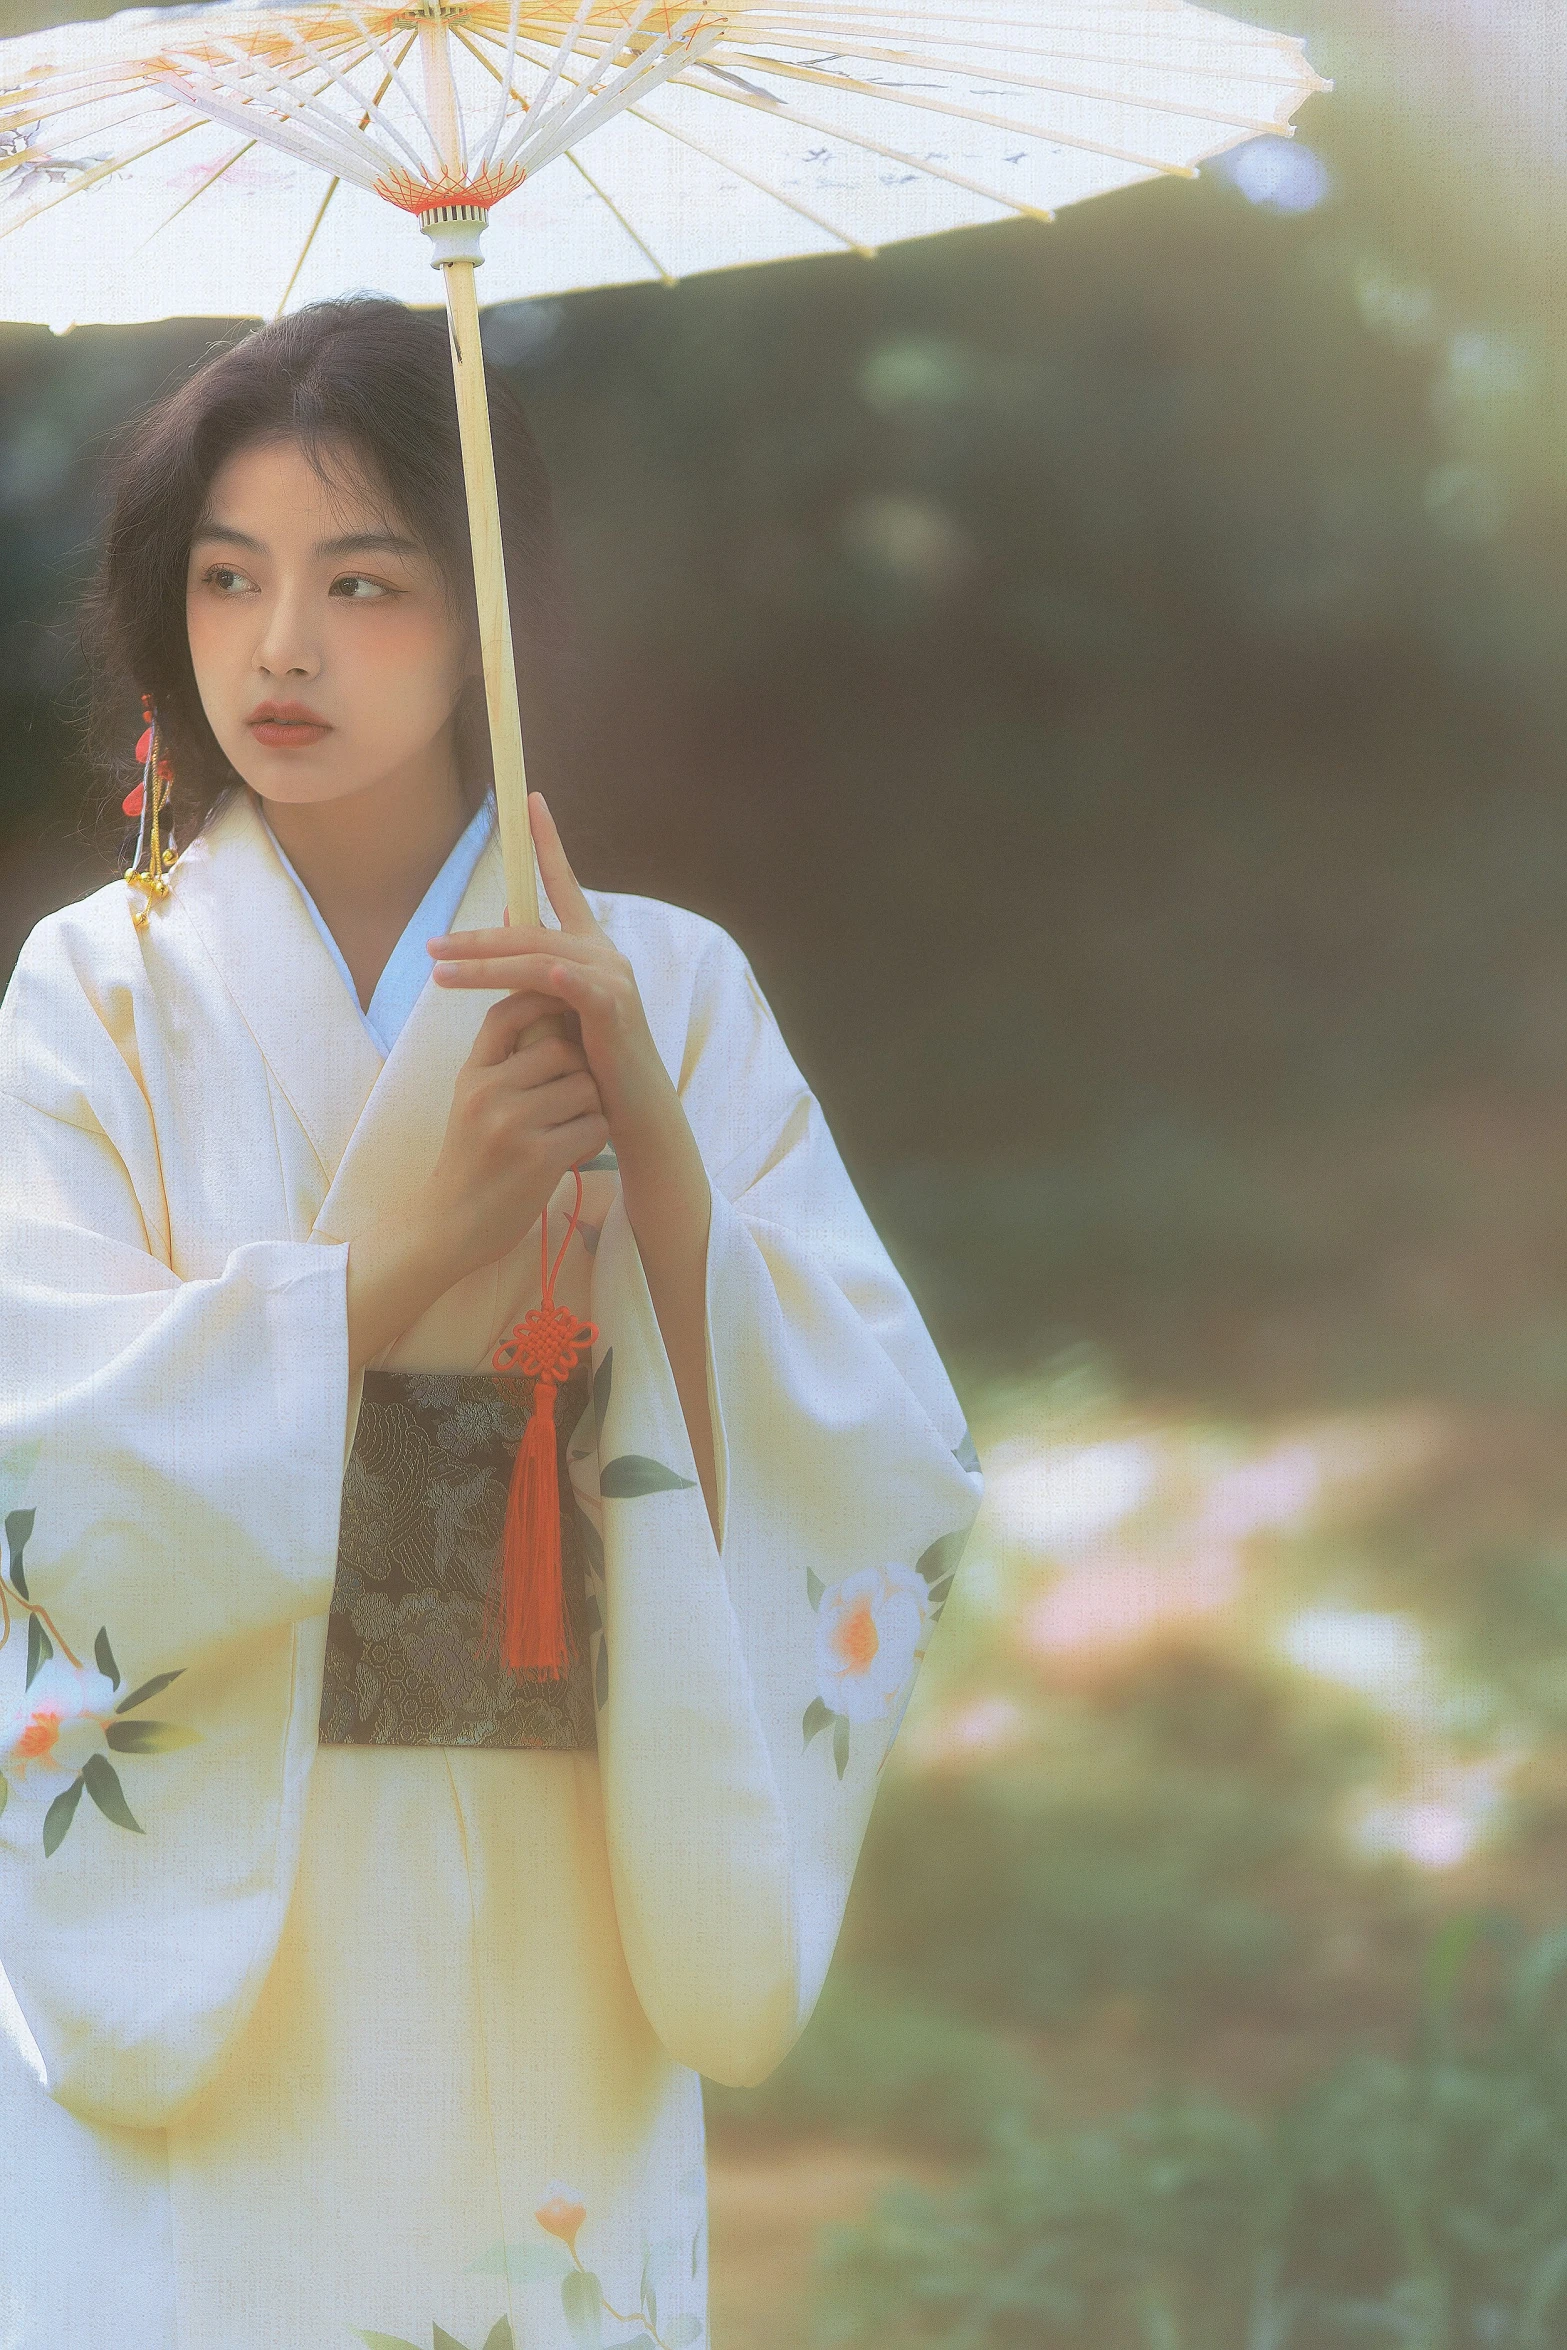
(383, 1863)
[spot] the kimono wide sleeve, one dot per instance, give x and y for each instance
(171, 1458)
(749, 1690)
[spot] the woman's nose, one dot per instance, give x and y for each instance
(285, 648)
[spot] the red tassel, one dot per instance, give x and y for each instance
(136, 798)
(535, 1633)
(526, 1617)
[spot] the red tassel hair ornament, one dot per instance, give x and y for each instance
(146, 802)
(526, 1616)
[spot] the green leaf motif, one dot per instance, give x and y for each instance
(589, 1235)
(647, 2296)
(40, 1648)
(939, 1563)
(18, 1526)
(580, 1442)
(102, 1782)
(582, 2298)
(840, 1742)
(966, 1454)
(499, 2336)
(60, 1815)
(937, 1594)
(386, 2341)
(681, 2330)
(817, 1717)
(605, 1164)
(591, 1615)
(148, 1689)
(592, 1541)
(603, 1380)
(601, 1675)
(5, 1791)
(149, 1737)
(105, 1655)
(443, 2340)
(814, 1587)
(633, 1474)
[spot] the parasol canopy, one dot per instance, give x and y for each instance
(233, 161)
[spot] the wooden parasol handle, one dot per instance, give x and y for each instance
(489, 581)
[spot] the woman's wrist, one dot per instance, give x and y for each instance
(397, 1267)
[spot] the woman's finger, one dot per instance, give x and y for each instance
(517, 974)
(467, 946)
(560, 883)
(503, 1023)
(560, 1099)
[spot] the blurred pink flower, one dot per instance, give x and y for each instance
(1119, 1597)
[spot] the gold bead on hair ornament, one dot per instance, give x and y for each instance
(146, 801)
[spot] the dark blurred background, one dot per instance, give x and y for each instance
(1111, 679)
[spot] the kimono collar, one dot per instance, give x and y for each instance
(375, 1128)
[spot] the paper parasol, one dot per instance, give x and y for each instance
(231, 161)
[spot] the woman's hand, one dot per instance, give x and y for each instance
(577, 967)
(521, 1115)
(662, 1180)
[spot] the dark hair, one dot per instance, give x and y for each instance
(362, 374)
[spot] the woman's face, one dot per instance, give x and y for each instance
(326, 653)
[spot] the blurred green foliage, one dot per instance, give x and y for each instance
(1161, 1850)
(1419, 2202)
(878, 2065)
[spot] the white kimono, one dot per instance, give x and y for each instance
(306, 2045)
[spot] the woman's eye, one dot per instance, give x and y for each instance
(358, 589)
(226, 579)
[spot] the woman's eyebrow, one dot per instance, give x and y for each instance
(368, 542)
(359, 542)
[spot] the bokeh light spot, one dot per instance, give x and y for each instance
(1465, 502)
(1280, 174)
(923, 372)
(911, 540)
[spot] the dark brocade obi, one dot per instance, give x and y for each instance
(424, 1502)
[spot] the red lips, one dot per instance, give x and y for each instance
(285, 714)
(287, 725)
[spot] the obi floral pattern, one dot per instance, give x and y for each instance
(424, 1501)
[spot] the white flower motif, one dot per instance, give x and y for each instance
(57, 1723)
(869, 1630)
